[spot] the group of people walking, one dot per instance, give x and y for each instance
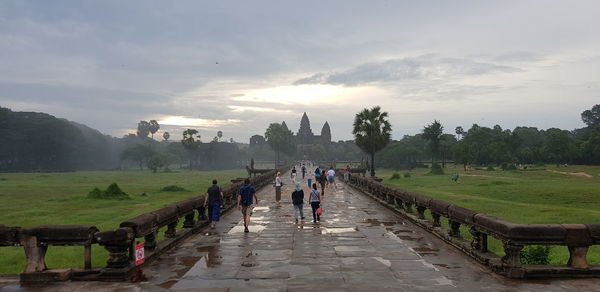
(247, 195)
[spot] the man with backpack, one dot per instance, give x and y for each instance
(245, 197)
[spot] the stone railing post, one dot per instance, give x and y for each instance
(171, 231)
(408, 207)
(189, 220)
(479, 241)
(421, 212)
(35, 254)
(150, 241)
(436, 219)
(454, 228)
(512, 257)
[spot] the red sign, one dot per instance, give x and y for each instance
(139, 254)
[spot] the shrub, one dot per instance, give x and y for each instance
(507, 166)
(490, 168)
(535, 255)
(436, 169)
(113, 192)
(173, 189)
(395, 176)
(407, 174)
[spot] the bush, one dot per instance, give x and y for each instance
(407, 174)
(535, 255)
(395, 176)
(507, 166)
(113, 192)
(436, 169)
(173, 189)
(490, 168)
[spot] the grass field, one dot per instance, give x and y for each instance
(543, 194)
(33, 199)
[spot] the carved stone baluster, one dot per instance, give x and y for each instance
(454, 228)
(399, 203)
(150, 241)
(577, 257)
(408, 207)
(118, 256)
(512, 257)
(171, 231)
(189, 220)
(476, 242)
(436, 219)
(421, 212)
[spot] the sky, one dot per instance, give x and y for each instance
(237, 66)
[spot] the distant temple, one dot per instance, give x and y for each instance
(305, 134)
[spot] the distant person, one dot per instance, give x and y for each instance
(310, 179)
(213, 198)
(455, 177)
(293, 174)
(315, 203)
(278, 185)
(331, 176)
(303, 171)
(298, 202)
(317, 173)
(323, 182)
(244, 201)
(347, 173)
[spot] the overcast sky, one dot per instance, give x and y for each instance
(236, 66)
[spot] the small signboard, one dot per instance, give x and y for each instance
(139, 254)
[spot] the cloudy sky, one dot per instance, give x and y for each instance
(236, 66)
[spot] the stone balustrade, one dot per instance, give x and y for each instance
(514, 236)
(120, 243)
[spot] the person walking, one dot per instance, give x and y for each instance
(331, 177)
(315, 203)
(278, 185)
(303, 169)
(212, 200)
(293, 174)
(244, 201)
(298, 202)
(310, 179)
(323, 182)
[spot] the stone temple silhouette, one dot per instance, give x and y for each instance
(305, 135)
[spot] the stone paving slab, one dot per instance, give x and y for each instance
(358, 246)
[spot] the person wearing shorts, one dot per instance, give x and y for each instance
(331, 176)
(213, 198)
(246, 194)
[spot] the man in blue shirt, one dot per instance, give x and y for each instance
(244, 201)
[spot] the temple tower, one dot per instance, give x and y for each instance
(326, 133)
(305, 134)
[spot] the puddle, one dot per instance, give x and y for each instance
(409, 238)
(403, 231)
(376, 222)
(384, 261)
(424, 251)
(260, 209)
(168, 284)
(252, 228)
(446, 266)
(337, 230)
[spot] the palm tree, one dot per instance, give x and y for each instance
(372, 132)
(433, 134)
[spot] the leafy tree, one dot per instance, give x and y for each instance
(166, 136)
(155, 162)
(559, 146)
(433, 133)
(459, 132)
(138, 153)
(372, 132)
(590, 149)
(190, 144)
(591, 117)
(280, 139)
(153, 127)
(143, 129)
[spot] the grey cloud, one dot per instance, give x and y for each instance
(397, 70)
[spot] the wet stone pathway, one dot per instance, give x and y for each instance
(358, 246)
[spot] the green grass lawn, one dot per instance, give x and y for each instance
(533, 196)
(34, 199)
